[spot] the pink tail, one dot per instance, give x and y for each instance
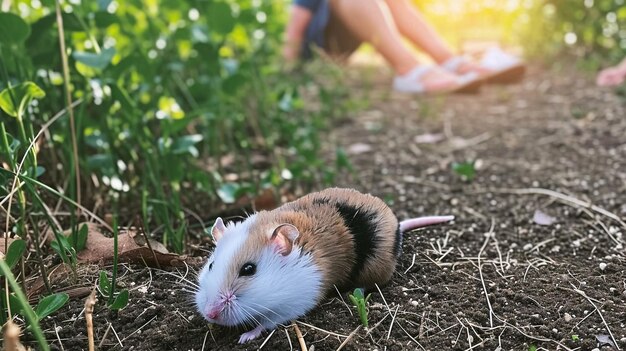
(414, 223)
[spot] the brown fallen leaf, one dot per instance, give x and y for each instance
(99, 249)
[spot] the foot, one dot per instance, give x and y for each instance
(464, 66)
(251, 335)
(430, 80)
(496, 66)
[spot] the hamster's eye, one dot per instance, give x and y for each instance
(210, 265)
(247, 269)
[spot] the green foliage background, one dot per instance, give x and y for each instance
(182, 101)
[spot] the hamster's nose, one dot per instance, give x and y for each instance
(213, 313)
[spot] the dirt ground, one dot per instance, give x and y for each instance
(494, 279)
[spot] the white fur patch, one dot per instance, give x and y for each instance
(282, 289)
(212, 282)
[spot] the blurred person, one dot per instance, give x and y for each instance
(612, 76)
(340, 26)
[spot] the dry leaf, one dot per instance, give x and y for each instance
(99, 248)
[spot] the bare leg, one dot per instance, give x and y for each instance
(372, 22)
(412, 24)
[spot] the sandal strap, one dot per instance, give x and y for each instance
(453, 63)
(411, 81)
(417, 73)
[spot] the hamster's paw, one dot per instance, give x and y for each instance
(251, 335)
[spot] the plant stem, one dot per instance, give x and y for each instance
(42, 266)
(114, 276)
(68, 97)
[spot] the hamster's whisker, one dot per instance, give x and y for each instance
(182, 278)
(265, 308)
(259, 313)
(249, 316)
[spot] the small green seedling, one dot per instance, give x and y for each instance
(50, 304)
(575, 338)
(115, 301)
(532, 348)
(466, 170)
(360, 301)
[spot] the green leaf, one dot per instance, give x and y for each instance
(81, 240)
(104, 19)
(21, 94)
(39, 171)
(15, 304)
(220, 18)
(104, 284)
(51, 304)
(464, 169)
(233, 83)
(98, 61)
(100, 162)
(228, 192)
(15, 251)
(358, 293)
(13, 29)
(185, 144)
(342, 159)
(120, 301)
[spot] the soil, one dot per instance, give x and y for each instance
(494, 278)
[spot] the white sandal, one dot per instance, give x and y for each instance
(503, 67)
(411, 82)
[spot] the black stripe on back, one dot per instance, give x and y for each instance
(397, 246)
(321, 201)
(361, 225)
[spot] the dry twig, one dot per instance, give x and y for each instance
(300, 338)
(345, 342)
(90, 302)
(555, 194)
(606, 325)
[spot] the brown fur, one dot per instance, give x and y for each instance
(324, 234)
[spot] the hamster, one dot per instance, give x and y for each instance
(277, 265)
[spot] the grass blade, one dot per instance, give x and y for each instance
(29, 314)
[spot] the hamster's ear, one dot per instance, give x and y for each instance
(218, 229)
(283, 238)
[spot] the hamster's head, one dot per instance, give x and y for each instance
(256, 275)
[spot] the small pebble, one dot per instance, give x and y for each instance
(414, 303)
(602, 266)
(528, 247)
(567, 317)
